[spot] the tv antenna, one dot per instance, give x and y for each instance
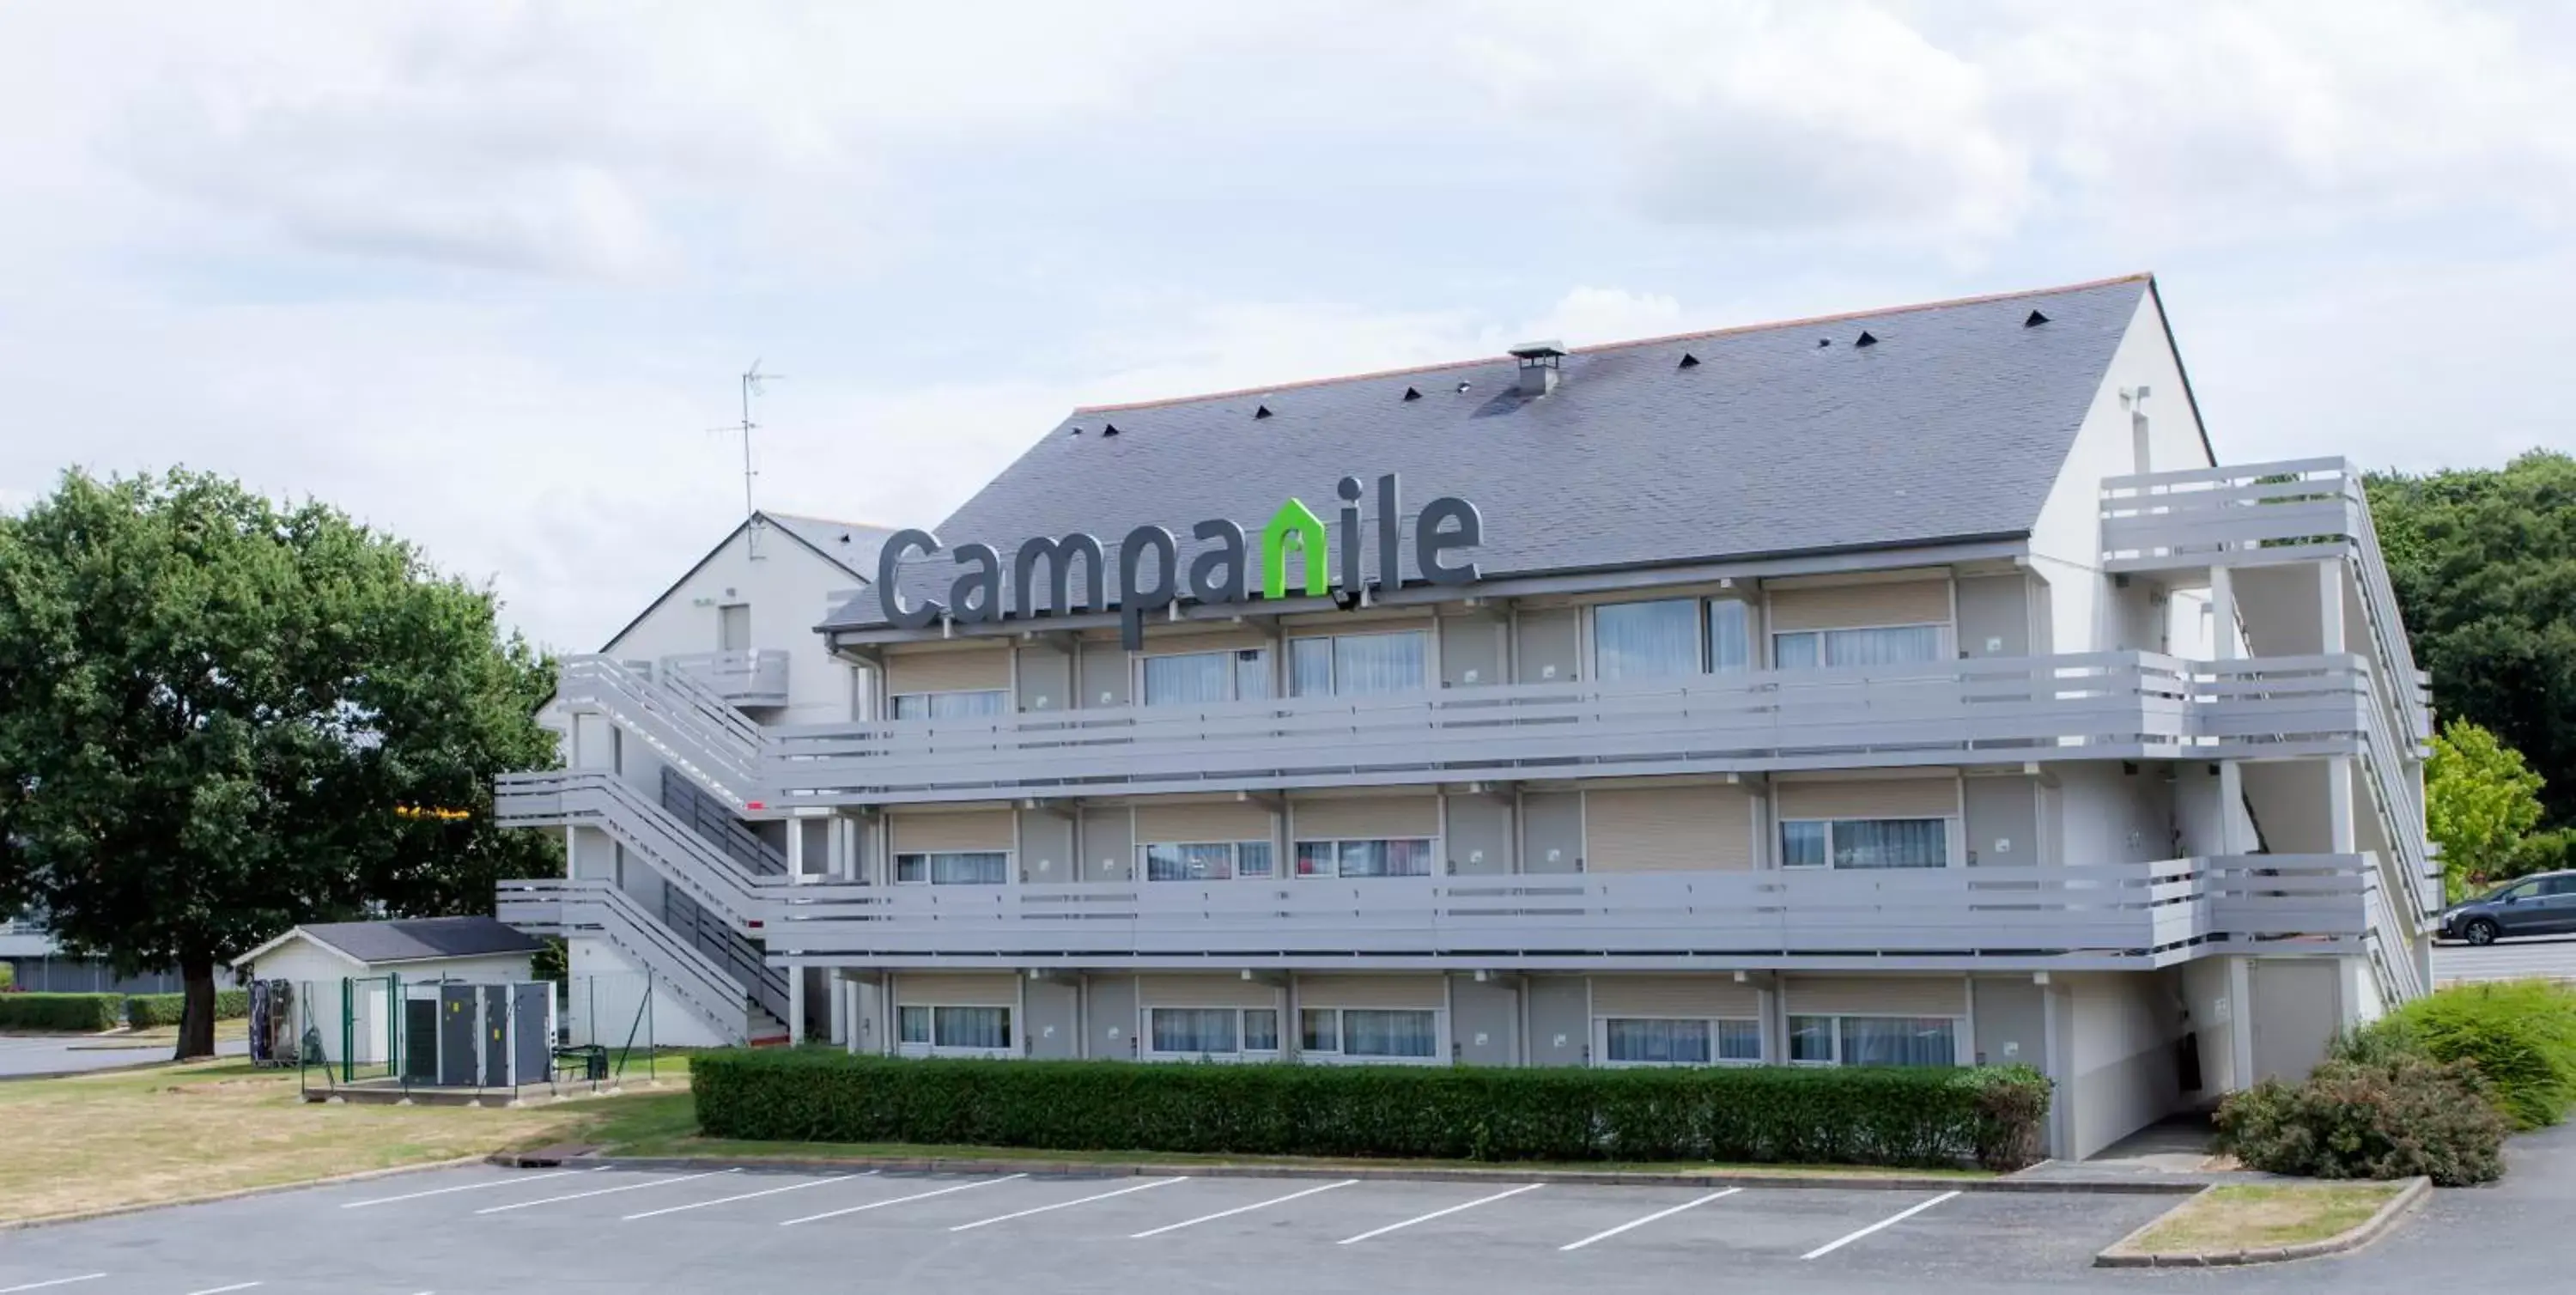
(752, 378)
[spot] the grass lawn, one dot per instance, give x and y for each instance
(88, 1141)
(2255, 1216)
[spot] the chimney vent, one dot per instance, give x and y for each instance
(1539, 366)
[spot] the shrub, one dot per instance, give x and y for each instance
(2395, 1117)
(2521, 1036)
(8, 977)
(1992, 1117)
(143, 1011)
(76, 1013)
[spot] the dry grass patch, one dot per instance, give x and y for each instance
(94, 1141)
(2258, 1216)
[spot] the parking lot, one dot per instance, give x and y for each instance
(452, 1232)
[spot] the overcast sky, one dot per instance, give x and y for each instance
(484, 273)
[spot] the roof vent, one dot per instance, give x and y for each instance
(1539, 366)
(1823, 342)
(1463, 384)
(1689, 361)
(1411, 394)
(1261, 412)
(1075, 430)
(2036, 319)
(1866, 339)
(1109, 429)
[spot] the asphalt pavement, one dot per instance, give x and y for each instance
(2552, 956)
(24, 1056)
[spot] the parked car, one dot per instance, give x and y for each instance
(2542, 904)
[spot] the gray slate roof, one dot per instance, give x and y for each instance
(852, 545)
(417, 939)
(1953, 425)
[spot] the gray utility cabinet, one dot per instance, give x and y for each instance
(478, 1035)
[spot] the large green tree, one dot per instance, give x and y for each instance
(2480, 799)
(214, 708)
(2484, 562)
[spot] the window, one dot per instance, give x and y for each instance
(1205, 860)
(1892, 645)
(1212, 1031)
(1406, 857)
(1874, 1040)
(1370, 1034)
(954, 1029)
(1730, 636)
(1658, 1041)
(948, 705)
(1197, 678)
(1646, 640)
(954, 868)
(1865, 843)
(1356, 665)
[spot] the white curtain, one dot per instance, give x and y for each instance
(1390, 1034)
(1402, 858)
(947, 705)
(1646, 640)
(982, 868)
(1669, 1042)
(973, 1027)
(1892, 843)
(1189, 679)
(1261, 1029)
(1730, 636)
(1357, 665)
(1198, 861)
(1901, 645)
(1252, 858)
(1194, 1029)
(1899, 1041)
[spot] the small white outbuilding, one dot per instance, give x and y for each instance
(352, 966)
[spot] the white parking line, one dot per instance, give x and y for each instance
(469, 1187)
(1898, 1217)
(1659, 1214)
(59, 1281)
(1239, 1209)
(728, 1200)
(916, 1196)
(1435, 1214)
(1066, 1205)
(604, 1191)
(221, 1290)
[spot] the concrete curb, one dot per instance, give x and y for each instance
(2124, 1254)
(271, 1189)
(1392, 1172)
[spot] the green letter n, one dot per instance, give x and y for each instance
(1294, 525)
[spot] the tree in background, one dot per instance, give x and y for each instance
(2479, 801)
(212, 709)
(2484, 563)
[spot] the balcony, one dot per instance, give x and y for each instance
(2099, 706)
(739, 678)
(24, 938)
(2122, 916)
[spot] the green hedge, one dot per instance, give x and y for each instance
(81, 1013)
(2521, 1036)
(144, 1011)
(1924, 1117)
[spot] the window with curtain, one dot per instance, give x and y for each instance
(1357, 665)
(1375, 1033)
(1196, 678)
(1261, 1029)
(1319, 1029)
(978, 1028)
(954, 868)
(1891, 645)
(1874, 1040)
(1730, 636)
(1865, 843)
(1657, 1041)
(1194, 1029)
(966, 1029)
(1401, 857)
(1650, 640)
(948, 705)
(1252, 859)
(1193, 861)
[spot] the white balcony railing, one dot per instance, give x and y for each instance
(2090, 916)
(2116, 705)
(740, 678)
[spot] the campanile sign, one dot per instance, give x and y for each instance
(1149, 578)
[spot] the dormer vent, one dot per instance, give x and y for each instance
(1866, 339)
(1539, 364)
(2036, 319)
(1411, 394)
(1109, 429)
(1689, 361)
(1261, 412)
